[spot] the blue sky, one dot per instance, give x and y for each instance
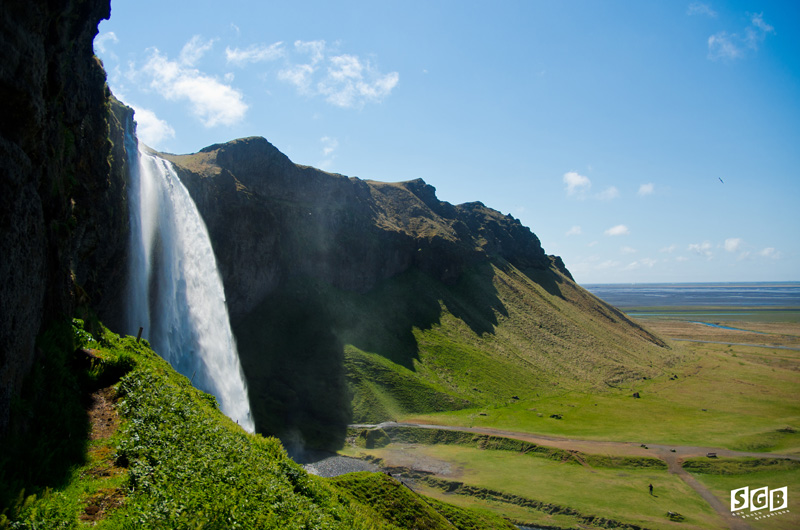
(641, 141)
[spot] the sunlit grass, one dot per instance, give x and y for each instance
(716, 400)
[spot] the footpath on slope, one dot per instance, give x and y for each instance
(673, 455)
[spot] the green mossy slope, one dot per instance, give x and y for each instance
(174, 462)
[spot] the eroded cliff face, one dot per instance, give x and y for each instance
(272, 220)
(61, 196)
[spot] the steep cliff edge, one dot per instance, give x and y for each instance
(272, 220)
(356, 300)
(62, 196)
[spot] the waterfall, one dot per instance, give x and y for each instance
(175, 290)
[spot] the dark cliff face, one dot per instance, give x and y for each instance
(60, 198)
(305, 256)
(271, 220)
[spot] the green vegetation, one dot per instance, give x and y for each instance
(319, 358)
(739, 466)
(174, 462)
(712, 398)
(722, 477)
(406, 509)
(532, 489)
(414, 435)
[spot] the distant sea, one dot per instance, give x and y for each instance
(756, 294)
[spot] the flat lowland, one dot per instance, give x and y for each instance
(734, 392)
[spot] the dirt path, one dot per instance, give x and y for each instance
(673, 455)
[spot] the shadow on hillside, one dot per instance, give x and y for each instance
(49, 430)
(292, 346)
(547, 279)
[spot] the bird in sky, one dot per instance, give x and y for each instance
(720, 179)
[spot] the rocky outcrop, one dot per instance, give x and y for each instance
(61, 203)
(271, 220)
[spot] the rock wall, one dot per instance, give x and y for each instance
(271, 220)
(60, 197)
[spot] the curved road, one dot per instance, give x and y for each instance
(673, 455)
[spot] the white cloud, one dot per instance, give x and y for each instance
(681, 259)
(574, 231)
(619, 230)
(102, 40)
(646, 189)
(732, 244)
(627, 250)
(608, 194)
(344, 80)
(670, 249)
(194, 50)
(150, 129)
(699, 8)
(576, 183)
(644, 262)
(702, 249)
(329, 145)
(255, 53)
(212, 102)
(757, 31)
(724, 46)
(770, 253)
(730, 46)
(608, 264)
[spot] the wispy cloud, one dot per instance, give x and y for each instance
(627, 250)
(757, 31)
(702, 249)
(618, 230)
(724, 46)
(255, 53)
(608, 194)
(732, 244)
(194, 50)
(329, 145)
(770, 253)
(576, 184)
(211, 101)
(638, 264)
(670, 249)
(646, 189)
(150, 129)
(699, 8)
(731, 46)
(344, 80)
(574, 231)
(101, 43)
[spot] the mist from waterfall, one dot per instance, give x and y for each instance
(175, 290)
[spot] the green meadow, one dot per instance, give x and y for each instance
(740, 397)
(713, 398)
(618, 494)
(722, 481)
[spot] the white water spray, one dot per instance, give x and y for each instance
(175, 289)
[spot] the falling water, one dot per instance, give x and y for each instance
(175, 289)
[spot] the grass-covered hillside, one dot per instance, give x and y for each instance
(120, 440)
(318, 357)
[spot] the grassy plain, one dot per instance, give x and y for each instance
(727, 392)
(611, 493)
(735, 396)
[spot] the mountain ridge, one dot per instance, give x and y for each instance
(356, 300)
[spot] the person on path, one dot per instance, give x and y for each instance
(651, 488)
